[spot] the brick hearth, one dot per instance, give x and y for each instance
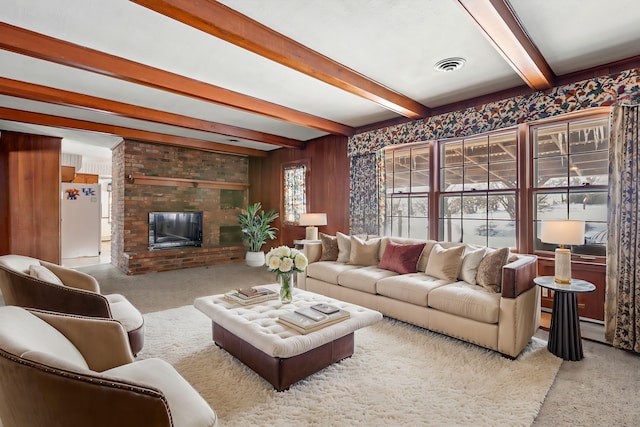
(198, 179)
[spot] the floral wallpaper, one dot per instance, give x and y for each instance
(362, 148)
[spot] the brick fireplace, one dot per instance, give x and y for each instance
(151, 177)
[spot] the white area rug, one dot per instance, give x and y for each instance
(399, 375)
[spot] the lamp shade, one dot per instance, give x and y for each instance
(563, 232)
(313, 219)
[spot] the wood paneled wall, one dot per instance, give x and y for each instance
(30, 195)
(327, 185)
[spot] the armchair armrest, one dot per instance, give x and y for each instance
(26, 291)
(517, 276)
(73, 278)
(103, 343)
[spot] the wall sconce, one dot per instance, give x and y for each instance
(563, 232)
(311, 220)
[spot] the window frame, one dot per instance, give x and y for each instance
(486, 192)
(388, 225)
(524, 192)
(567, 190)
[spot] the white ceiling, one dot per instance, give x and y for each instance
(392, 42)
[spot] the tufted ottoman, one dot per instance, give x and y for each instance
(276, 352)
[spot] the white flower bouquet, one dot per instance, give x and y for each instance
(285, 261)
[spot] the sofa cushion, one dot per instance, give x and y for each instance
(187, 407)
(329, 247)
(344, 247)
(364, 252)
(402, 259)
(44, 274)
(364, 279)
(412, 288)
(328, 271)
(465, 300)
(490, 269)
(444, 263)
(470, 262)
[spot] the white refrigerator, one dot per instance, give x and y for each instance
(80, 220)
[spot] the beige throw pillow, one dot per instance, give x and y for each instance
(364, 252)
(444, 263)
(44, 274)
(329, 247)
(490, 270)
(344, 247)
(424, 257)
(470, 263)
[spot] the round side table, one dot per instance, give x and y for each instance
(564, 335)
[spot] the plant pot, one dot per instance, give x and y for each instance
(255, 259)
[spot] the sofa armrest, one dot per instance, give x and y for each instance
(517, 276)
(73, 278)
(103, 343)
(313, 251)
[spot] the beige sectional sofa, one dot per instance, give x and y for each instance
(475, 294)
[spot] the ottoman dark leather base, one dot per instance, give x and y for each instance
(283, 372)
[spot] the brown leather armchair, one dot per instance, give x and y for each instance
(29, 282)
(59, 370)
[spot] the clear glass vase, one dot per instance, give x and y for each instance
(287, 283)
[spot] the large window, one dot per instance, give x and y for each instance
(478, 182)
(570, 177)
(473, 185)
(295, 192)
(407, 191)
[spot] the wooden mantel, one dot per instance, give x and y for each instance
(185, 182)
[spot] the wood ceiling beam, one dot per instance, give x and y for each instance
(230, 25)
(501, 27)
(73, 99)
(141, 135)
(26, 42)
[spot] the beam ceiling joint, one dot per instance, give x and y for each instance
(43, 47)
(501, 27)
(229, 25)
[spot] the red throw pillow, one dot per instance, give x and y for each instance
(402, 259)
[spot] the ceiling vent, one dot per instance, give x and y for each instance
(449, 64)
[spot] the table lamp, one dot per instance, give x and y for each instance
(311, 220)
(563, 232)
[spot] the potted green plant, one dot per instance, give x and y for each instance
(256, 228)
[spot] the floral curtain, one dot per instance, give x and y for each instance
(622, 300)
(295, 193)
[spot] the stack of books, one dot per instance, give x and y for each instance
(309, 319)
(249, 296)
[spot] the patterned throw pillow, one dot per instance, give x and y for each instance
(329, 247)
(444, 263)
(364, 252)
(344, 247)
(490, 270)
(402, 259)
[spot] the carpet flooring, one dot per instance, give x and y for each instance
(398, 375)
(601, 389)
